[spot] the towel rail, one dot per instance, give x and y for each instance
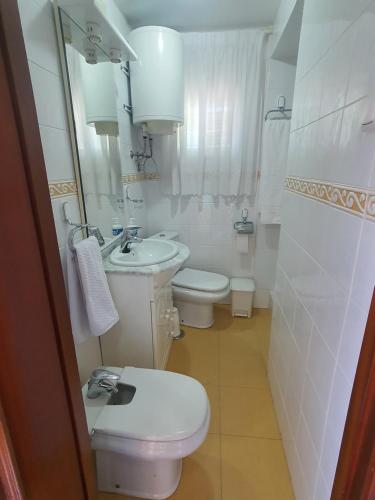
(78, 226)
(281, 108)
(73, 232)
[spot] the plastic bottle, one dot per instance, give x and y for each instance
(117, 227)
(132, 223)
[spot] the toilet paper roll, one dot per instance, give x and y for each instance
(242, 243)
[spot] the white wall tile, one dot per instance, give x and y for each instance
(302, 331)
(329, 312)
(322, 491)
(308, 457)
(57, 153)
(39, 33)
(362, 71)
(335, 426)
(320, 365)
(314, 414)
(351, 341)
(364, 275)
(49, 97)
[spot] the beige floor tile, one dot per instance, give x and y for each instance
(213, 392)
(253, 336)
(254, 469)
(196, 355)
(200, 478)
(248, 412)
(241, 368)
(241, 341)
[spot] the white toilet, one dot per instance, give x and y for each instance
(140, 445)
(194, 295)
(195, 291)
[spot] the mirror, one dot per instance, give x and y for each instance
(96, 91)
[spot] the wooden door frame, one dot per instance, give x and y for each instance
(34, 320)
(355, 474)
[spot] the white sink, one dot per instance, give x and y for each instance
(148, 252)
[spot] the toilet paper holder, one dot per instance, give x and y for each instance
(244, 226)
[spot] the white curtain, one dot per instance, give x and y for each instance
(216, 152)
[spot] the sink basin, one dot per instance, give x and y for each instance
(148, 252)
(123, 396)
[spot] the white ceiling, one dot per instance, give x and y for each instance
(198, 15)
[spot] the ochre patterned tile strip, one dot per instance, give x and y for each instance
(355, 200)
(58, 189)
(140, 176)
(370, 207)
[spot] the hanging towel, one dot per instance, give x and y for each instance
(273, 169)
(77, 307)
(91, 306)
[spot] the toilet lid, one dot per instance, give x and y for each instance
(200, 280)
(166, 407)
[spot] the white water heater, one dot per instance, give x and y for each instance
(157, 79)
(99, 94)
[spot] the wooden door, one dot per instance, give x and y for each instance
(44, 443)
(355, 475)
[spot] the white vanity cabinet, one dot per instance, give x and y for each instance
(142, 336)
(142, 296)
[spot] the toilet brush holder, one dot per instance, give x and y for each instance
(175, 330)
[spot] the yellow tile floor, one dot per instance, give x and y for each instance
(242, 457)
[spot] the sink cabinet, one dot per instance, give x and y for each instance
(142, 336)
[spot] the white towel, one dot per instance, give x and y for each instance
(77, 308)
(273, 169)
(91, 306)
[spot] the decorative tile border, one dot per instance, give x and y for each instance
(58, 189)
(139, 177)
(355, 200)
(370, 207)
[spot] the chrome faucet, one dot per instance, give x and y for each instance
(129, 236)
(102, 380)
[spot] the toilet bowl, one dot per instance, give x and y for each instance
(140, 445)
(194, 294)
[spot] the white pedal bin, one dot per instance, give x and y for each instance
(243, 290)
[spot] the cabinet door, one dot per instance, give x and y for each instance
(161, 325)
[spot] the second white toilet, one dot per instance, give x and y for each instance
(195, 292)
(140, 442)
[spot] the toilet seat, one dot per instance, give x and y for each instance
(160, 420)
(204, 281)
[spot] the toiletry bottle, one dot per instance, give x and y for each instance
(132, 222)
(117, 227)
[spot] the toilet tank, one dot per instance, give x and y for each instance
(157, 79)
